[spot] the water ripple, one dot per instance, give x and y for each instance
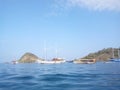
(59, 77)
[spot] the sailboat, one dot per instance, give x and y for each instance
(53, 61)
(14, 61)
(57, 59)
(113, 59)
(113, 56)
(45, 61)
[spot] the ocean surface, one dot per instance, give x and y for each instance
(67, 76)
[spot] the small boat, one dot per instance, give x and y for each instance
(14, 62)
(115, 60)
(85, 61)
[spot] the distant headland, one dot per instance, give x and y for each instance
(104, 54)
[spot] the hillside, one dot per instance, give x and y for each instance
(103, 55)
(28, 58)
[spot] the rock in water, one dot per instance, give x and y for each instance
(28, 58)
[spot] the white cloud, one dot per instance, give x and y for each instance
(112, 5)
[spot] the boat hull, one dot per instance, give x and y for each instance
(50, 62)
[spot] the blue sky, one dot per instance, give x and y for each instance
(74, 27)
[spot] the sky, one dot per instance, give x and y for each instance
(74, 28)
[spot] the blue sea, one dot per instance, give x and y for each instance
(67, 76)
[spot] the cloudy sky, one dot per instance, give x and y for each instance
(73, 27)
(113, 5)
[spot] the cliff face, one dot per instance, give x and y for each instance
(28, 58)
(103, 55)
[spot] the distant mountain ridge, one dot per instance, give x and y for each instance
(103, 55)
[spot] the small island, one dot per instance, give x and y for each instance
(104, 54)
(29, 58)
(101, 55)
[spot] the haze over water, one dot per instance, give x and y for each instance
(68, 76)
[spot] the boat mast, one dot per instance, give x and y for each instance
(56, 53)
(45, 51)
(119, 52)
(113, 53)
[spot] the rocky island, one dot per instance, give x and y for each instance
(104, 54)
(101, 55)
(29, 58)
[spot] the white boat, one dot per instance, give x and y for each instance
(50, 62)
(46, 62)
(14, 62)
(53, 61)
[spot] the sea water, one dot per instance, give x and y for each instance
(67, 76)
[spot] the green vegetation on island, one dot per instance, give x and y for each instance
(103, 55)
(28, 58)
